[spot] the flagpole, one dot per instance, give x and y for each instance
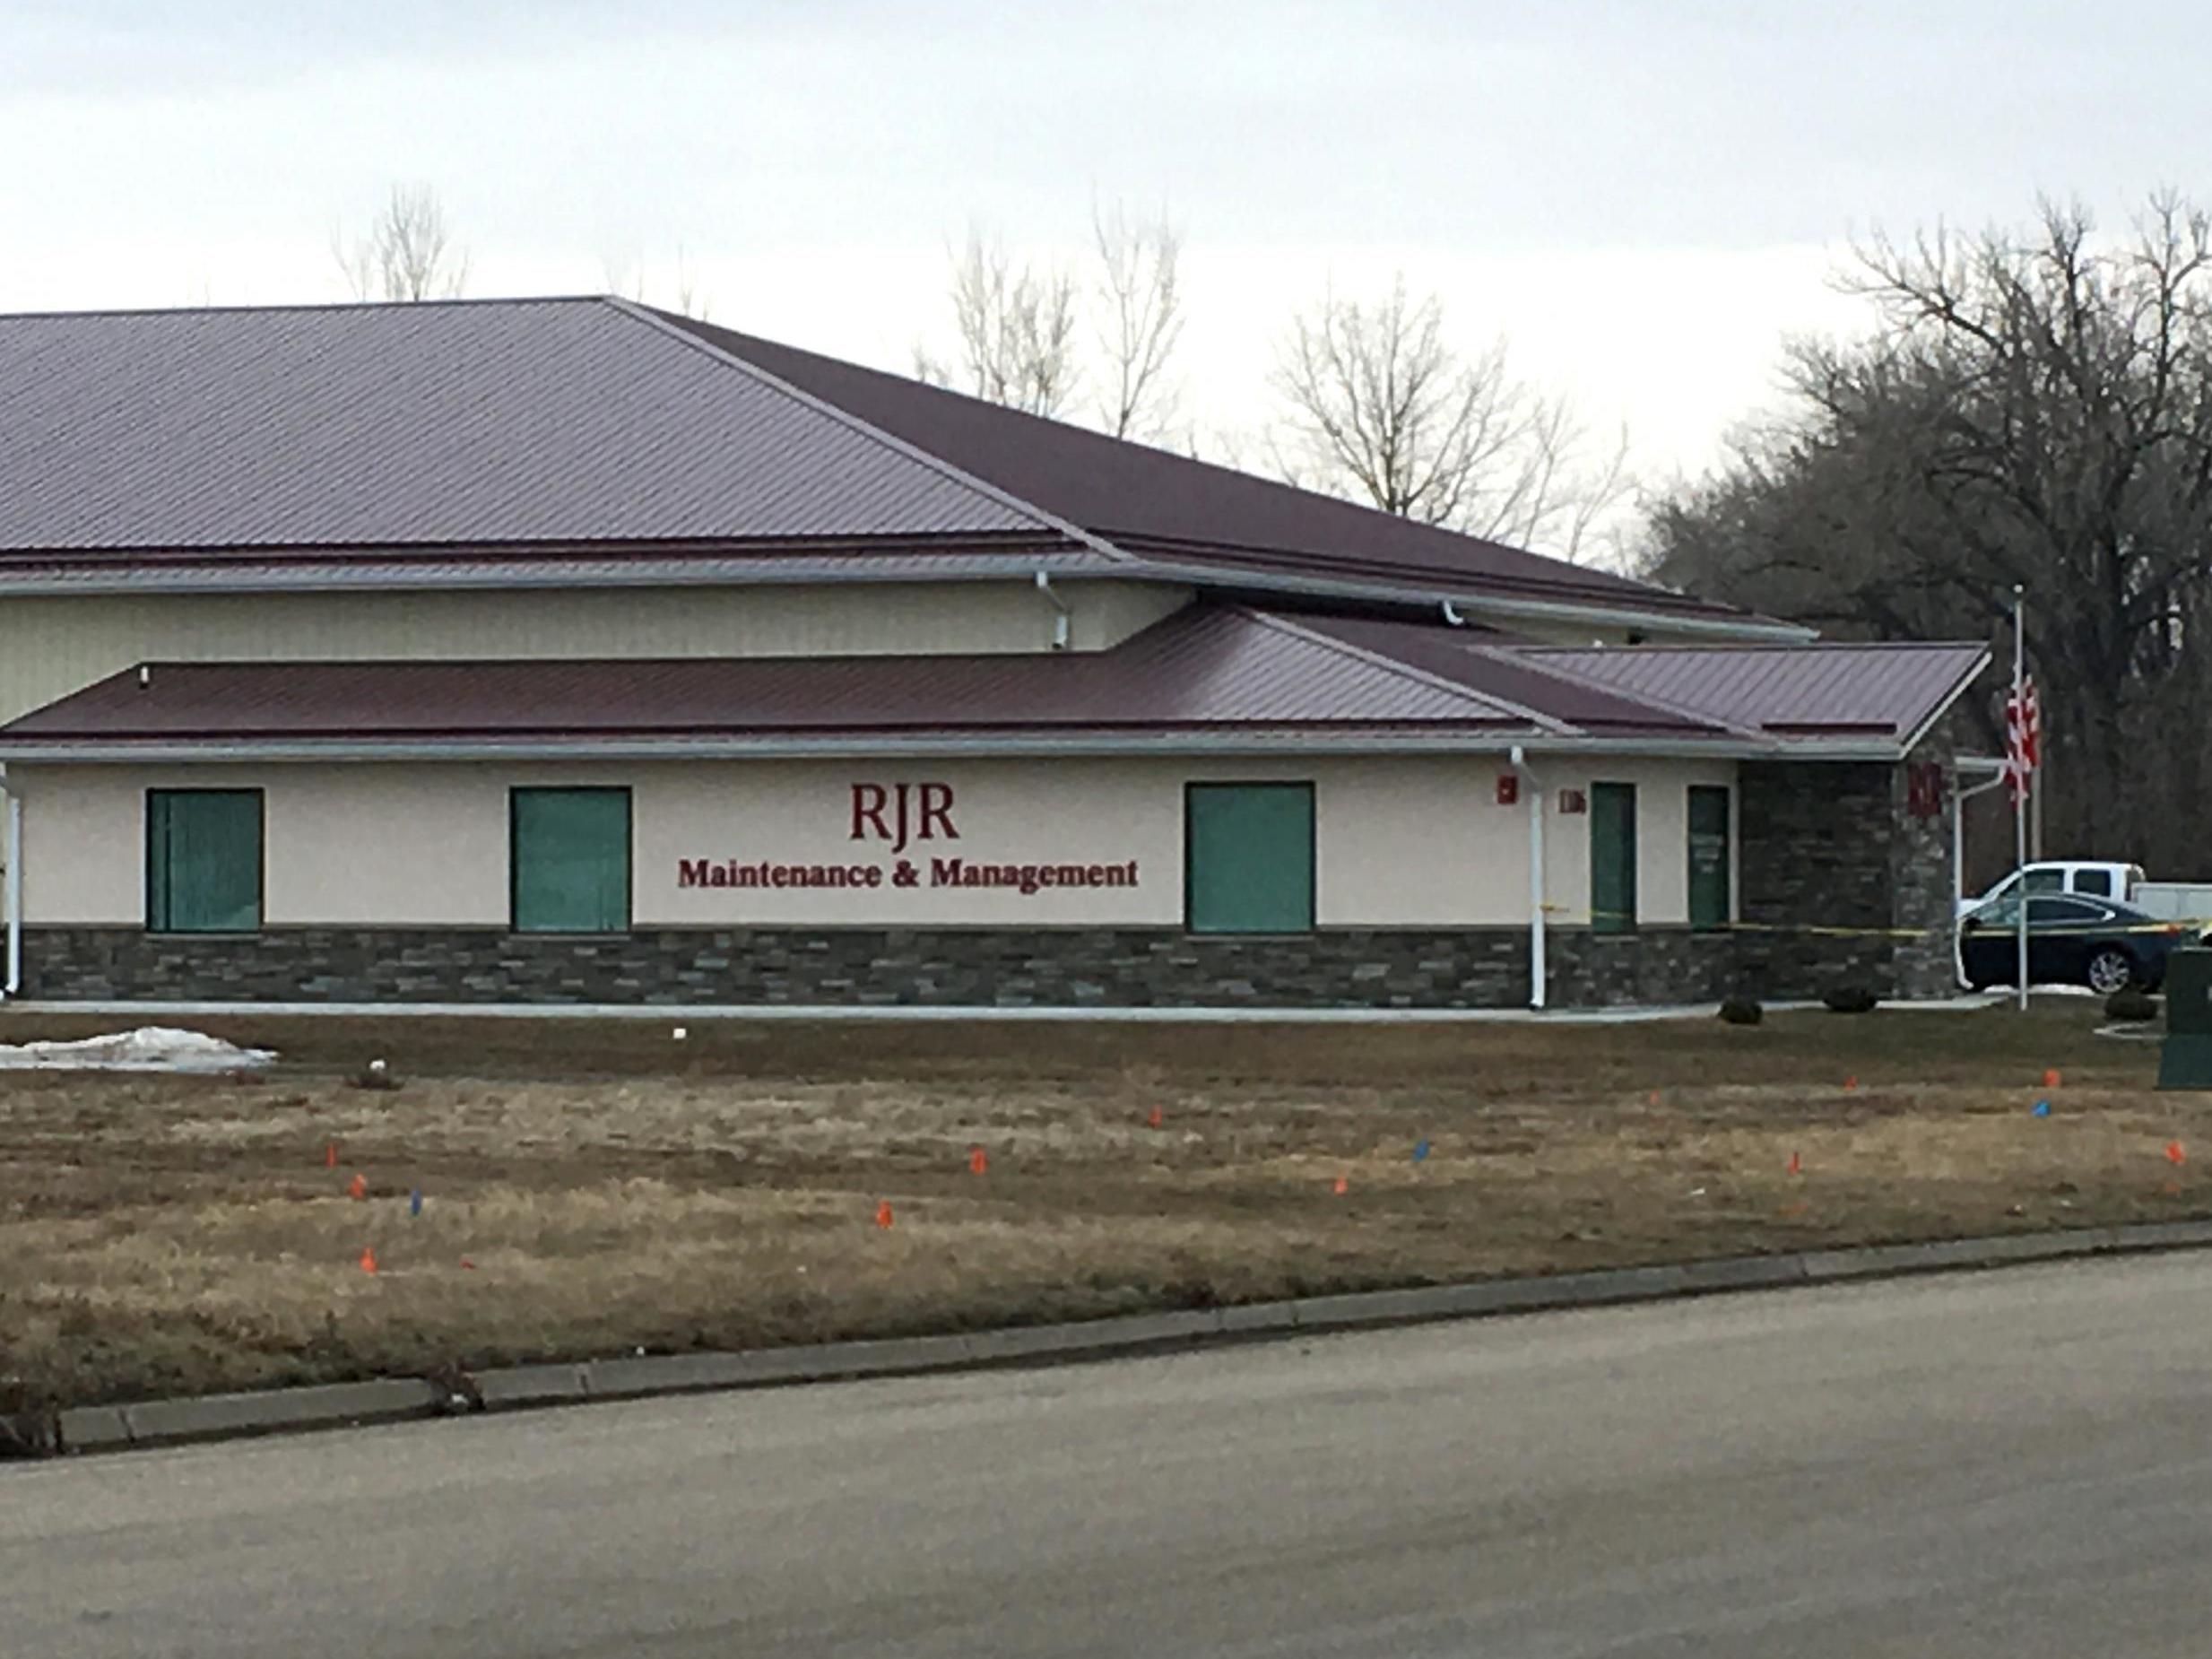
(2019, 795)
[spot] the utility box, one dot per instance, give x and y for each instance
(2185, 1060)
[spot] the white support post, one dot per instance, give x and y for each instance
(1534, 786)
(14, 894)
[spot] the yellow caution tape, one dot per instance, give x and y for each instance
(2180, 925)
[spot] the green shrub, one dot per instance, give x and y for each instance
(1850, 999)
(1742, 1011)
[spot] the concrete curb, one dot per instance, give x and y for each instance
(102, 1428)
(222, 1417)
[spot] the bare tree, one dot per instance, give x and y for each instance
(1141, 320)
(690, 299)
(408, 252)
(627, 277)
(1017, 331)
(1379, 406)
(2026, 408)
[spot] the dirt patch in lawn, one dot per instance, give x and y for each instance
(593, 1188)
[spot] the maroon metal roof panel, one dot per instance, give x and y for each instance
(1164, 505)
(471, 421)
(1489, 663)
(1203, 668)
(1797, 690)
(483, 423)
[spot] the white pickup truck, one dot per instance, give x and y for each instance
(2173, 901)
(2087, 877)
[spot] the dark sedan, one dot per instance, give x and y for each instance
(2099, 942)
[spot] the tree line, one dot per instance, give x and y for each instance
(2027, 407)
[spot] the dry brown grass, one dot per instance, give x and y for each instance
(593, 1187)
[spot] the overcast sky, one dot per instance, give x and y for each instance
(1642, 198)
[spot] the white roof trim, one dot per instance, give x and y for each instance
(1044, 746)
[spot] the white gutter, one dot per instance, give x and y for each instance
(1039, 746)
(1536, 875)
(927, 567)
(397, 573)
(10, 791)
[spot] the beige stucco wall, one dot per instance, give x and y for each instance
(51, 647)
(1662, 832)
(1411, 841)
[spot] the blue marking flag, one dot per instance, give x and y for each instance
(1421, 1151)
(2043, 1108)
(414, 1202)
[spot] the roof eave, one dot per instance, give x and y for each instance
(320, 572)
(1744, 628)
(1031, 745)
(924, 569)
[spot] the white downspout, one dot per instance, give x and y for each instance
(14, 899)
(1536, 875)
(1061, 621)
(1959, 797)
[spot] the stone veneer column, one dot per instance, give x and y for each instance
(1836, 844)
(1921, 876)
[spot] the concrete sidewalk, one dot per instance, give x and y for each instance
(680, 1013)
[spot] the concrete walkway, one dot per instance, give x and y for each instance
(680, 1013)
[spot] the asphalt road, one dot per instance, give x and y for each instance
(2015, 1464)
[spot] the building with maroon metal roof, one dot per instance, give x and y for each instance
(564, 650)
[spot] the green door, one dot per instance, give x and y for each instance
(570, 860)
(1612, 857)
(1708, 854)
(203, 861)
(1249, 858)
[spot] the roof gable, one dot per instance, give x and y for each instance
(1807, 692)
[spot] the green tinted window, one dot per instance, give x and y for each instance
(203, 861)
(1249, 851)
(570, 851)
(1612, 857)
(1708, 854)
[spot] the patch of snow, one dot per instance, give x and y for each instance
(149, 1048)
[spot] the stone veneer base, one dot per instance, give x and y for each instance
(977, 968)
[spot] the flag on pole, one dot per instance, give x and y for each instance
(2024, 739)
